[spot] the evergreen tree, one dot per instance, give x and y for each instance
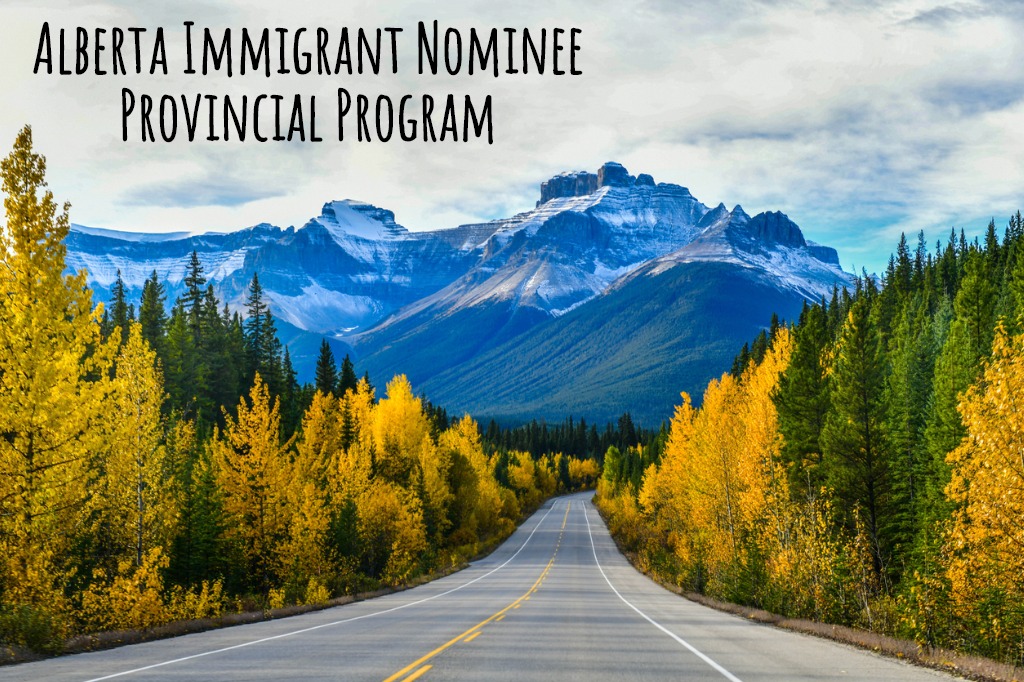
(854, 444)
(975, 302)
(326, 370)
(292, 403)
(152, 316)
(119, 308)
(347, 380)
(263, 346)
(184, 377)
(803, 400)
(198, 551)
(908, 392)
(194, 282)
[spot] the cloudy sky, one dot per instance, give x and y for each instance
(858, 119)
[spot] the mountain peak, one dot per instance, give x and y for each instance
(775, 227)
(351, 218)
(582, 183)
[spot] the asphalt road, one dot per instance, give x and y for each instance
(557, 601)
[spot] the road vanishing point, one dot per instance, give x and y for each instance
(557, 601)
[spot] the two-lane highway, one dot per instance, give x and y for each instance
(557, 601)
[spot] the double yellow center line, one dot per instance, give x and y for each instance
(473, 632)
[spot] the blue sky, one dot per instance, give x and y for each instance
(858, 119)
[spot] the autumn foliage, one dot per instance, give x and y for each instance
(862, 466)
(127, 502)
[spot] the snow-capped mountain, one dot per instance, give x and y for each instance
(437, 304)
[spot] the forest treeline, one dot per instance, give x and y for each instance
(862, 466)
(158, 466)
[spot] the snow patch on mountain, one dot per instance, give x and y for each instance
(103, 268)
(130, 236)
(321, 309)
(348, 218)
(769, 243)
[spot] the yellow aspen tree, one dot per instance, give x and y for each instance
(399, 427)
(303, 556)
(252, 470)
(321, 440)
(715, 476)
(583, 473)
(478, 492)
(349, 471)
(140, 500)
(54, 379)
(433, 466)
(667, 496)
(765, 496)
(391, 531)
(522, 477)
(986, 545)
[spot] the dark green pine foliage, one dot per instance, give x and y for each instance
(152, 315)
(347, 380)
(908, 392)
(199, 551)
(184, 377)
(740, 362)
(292, 400)
(262, 345)
(759, 348)
(803, 400)
(975, 301)
(326, 377)
(192, 298)
(855, 448)
(221, 386)
(119, 314)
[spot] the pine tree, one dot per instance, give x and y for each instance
(347, 380)
(119, 308)
(185, 377)
(263, 346)
(194, 282)
(152, 315)
(326, 370)
(292, 402)
(975, 302)
(199, 551)
(55, 381)
(854, 443)
(908, 392)
(803, 401)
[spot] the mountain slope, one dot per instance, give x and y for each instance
(614, 292)
(669, 326)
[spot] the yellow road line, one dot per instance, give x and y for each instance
(475, 630)
(416, 674)
(472, 637)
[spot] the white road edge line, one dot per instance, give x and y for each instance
(699, 654)
(331, 624)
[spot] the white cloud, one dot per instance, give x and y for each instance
(858, 119)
